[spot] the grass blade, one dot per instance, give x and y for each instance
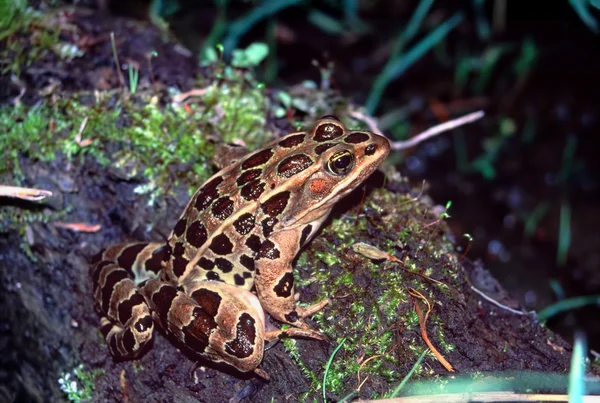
(401, 63)
(582, 10)
(567, 305)
(409, 375)
(577, 372)
(239, 27)
(329, 365)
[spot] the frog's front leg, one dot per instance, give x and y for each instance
(274, 280)
(218, 321)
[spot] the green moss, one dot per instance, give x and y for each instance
(371, 305)
(292, 349)
(145, 141)
(133, 136)
(14, 14)
(29, 36)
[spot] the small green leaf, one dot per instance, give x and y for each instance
(209, 55)
(285, 99)
(256, 53)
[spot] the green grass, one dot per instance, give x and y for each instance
(565, 305)
(399, 62)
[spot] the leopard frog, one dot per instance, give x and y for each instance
(229, 257)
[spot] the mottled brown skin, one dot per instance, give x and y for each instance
(240, 231)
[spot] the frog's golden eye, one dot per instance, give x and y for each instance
(341, 162)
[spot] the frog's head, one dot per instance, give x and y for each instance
(341, 160)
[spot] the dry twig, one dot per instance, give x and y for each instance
(29, 194)
(422, 325)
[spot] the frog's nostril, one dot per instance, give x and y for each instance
(370, 149)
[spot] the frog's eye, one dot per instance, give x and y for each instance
(341, 163)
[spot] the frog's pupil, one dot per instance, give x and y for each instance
(342, 162)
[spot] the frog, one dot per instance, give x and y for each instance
(228, 260)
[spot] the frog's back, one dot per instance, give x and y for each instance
(228, 219)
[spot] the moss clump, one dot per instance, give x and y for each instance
(371, 306)
(144, 140)
(30, 36)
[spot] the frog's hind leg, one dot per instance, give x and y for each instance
(218, 321)
(126, 322)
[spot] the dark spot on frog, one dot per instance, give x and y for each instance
(321, 148)
(211, 275)
(258, 159)
(221, 245)
(284, 287)
(179, 265)
(239, 280)
(162, 300)
(128, 340)
(129, 254)
(125, 308)
(243, 345)
(293, 165)
(167, 252)
(207, 194)
(154, 263)
(356, 138)
(327, 131)
(110, 281)
(292, 141)
(208, 300)
(197, 332)
(268, 224)
(244, 224)
(247, 262)
(224, 265)
(305, 233)
(276, 204)
(196, 234)
(248, 176)
(206, 264)
(179, 249)
(253, 242)
(291, 317)
(222, 208)
(180, 227)
(268, 250)
(253, 190)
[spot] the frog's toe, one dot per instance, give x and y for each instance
(294, 332)
(305, 312)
